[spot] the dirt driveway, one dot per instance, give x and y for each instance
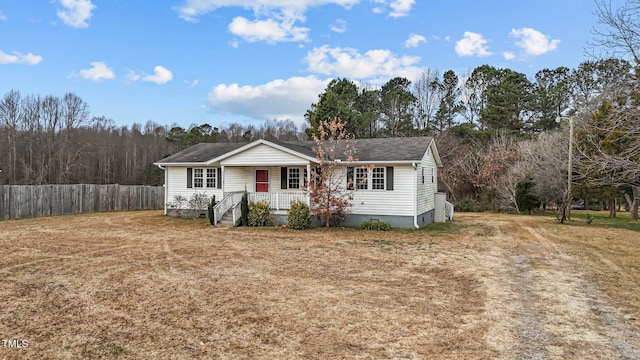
(139, 285)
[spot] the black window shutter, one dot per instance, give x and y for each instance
(189, 178)
(219, 178)
(389, 177)
(350, 178)
(283, 178)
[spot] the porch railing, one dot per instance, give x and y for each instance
(229, 201)
(278, 200)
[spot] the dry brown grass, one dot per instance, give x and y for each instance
(140, 285)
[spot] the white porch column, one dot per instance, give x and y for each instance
(308, 182)
(222, 180)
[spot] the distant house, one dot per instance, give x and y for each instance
(397, 178)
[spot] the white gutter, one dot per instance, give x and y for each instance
(415, 196)
(166, 188)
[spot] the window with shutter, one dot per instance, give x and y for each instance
(390, 178)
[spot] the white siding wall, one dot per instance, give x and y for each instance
(426, 191)
(264, 155)
(399, 201)
(177, 185)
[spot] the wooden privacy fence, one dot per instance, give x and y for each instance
(24, 201)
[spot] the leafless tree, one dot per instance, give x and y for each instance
(428, 93)
(618, 30)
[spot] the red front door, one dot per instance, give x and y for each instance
(262, 180)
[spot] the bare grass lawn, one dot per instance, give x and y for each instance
(138, 285)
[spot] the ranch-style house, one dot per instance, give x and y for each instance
(396, 179)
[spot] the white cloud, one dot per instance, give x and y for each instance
(472, 44)
(269, 30)
(533, 41)
(277, 99)
(190, 10)
(2, 16)
(98, 71)
(274, 21)
(132, 76)
(160, 75)
(414, 40)
(339, 26)
(19, 58)
(508, 55)
(401, 7)
(76, 13)
(374, 65)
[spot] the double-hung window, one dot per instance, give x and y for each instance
(198, 178)
(211, 178)
(294, 178)
(361, 178)
(377, 178)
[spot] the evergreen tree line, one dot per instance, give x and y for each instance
(486, 100)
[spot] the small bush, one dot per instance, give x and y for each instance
(467, 205)
(299, 216)
(376, 225)
(198, 202)
(258, 214)
(175, 207)
(244, 209)
(210, 214)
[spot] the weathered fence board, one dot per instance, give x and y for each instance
(24, 201)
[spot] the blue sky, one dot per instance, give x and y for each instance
(246, 61)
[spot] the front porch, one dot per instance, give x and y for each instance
(278, 202)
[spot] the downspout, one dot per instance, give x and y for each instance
(166, 188)
(415, 196)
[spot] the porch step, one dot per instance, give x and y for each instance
(227, 220)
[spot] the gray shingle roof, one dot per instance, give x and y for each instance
(201, 153)
(380, 150)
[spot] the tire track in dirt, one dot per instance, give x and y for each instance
(559, 313)
(515, 327)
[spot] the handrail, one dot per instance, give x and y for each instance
(230, 200)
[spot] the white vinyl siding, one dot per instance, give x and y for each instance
(428, 189)
(399, 201)
(176, 178)
(264, 155)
